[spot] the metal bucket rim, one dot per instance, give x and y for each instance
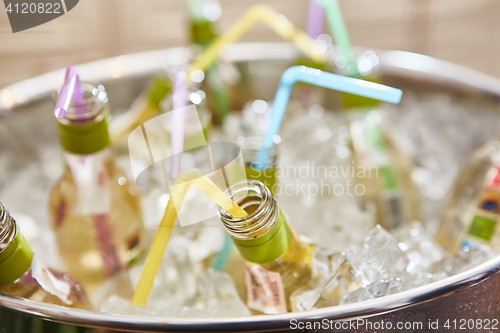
(342, 312)
(393, 62)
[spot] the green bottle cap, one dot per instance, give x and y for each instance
(84, 139)
(84, 130)
(15, 259)
(269, 246)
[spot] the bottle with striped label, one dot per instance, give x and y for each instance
(22, 275)
(94, 210)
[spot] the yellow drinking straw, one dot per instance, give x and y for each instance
(258, 13)
(276, 21)
(184, 180)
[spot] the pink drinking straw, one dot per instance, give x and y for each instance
(71, 90)
(315, 19)
(179, 101)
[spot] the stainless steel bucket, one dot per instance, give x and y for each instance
(463, 302)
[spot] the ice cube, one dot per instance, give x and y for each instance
(422, 251)
(376, 289)
(417, 277)
(209, 241)
(342, 283)
(216, 297)
(175, 281)
(118, 305)
(467, 258)
(192, 312)
(325, 265)
(304, 298)
(420, 248)
(377, 257)
(118, 285)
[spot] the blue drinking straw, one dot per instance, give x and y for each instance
(321, 79)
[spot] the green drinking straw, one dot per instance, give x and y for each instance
(321, 79)
(337, 26)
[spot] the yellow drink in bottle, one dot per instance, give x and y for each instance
(94, 211)
(277, 262)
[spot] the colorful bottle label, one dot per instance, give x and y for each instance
(485, 214)
(265, 292)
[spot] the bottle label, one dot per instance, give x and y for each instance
(485, 216)
(265, 292)
(91, 180)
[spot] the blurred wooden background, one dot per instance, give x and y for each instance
(463, 31)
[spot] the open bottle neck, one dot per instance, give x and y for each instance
(8, 228)
(264, 235)
(256, 199)
(15, 253)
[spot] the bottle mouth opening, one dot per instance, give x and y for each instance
(8, 229)
(4, 220)
(249, 195)
(91, 107)
(256, 199)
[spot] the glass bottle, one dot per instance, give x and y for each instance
(276, 261)
(254, 119)
(250, 148)
(205, 15)
(94, 210)
(472, 213)
(158, 130)
(144, 107)
(381, 167)
(383, 170)
(23, 276)
(148, 104)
